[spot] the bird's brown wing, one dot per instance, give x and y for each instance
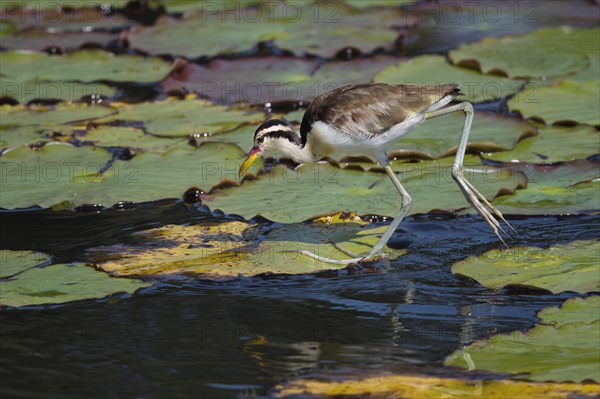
(372, 108)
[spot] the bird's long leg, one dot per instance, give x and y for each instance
(375, 251)
(489, 213)
(404, 208)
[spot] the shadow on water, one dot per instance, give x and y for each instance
(244, 336)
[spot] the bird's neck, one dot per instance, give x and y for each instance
(296, 152)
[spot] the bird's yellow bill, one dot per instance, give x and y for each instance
(254, 153)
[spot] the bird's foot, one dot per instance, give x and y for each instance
(354, 258)
(488, 212)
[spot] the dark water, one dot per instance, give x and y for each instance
(237, 339)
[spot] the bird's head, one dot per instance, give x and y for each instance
(274, 134)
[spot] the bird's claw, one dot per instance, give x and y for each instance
(488, 212)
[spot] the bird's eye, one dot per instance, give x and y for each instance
(260, 140)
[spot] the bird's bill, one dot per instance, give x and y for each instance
(252, 155)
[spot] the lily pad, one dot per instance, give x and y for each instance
(118, 136)
(66, 17)
(324, 188)
(28, 76)
(47, 116)
(16, 136)
(387, 385)
(42, 40)
(226, 35)
(256, 80)
(232, 249)
(50, 175)
(564, 348)
(566, 101)
(544, 53)
(555, 189)
(13, 262)
(270, 79)
(362, 4)
(321, 29)
(438, 137)
(62, 283)
(549, 146)
(61, 174)
(570, 267)
(181, 118)
(446, 24)
(434, 69)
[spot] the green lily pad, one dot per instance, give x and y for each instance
(362, 4)
(233, 249)
(28, 76)
(438, 137)
(226, 35)
(574, 310)
(16, 136)
(321, 29)
(50, 175)
(561, 189)
(540, 54)
(566, 101)
(42, 40)
(433, 69)
(62, 283)
(45, 116)
(324, 188)
(185, 6)
(565, 349)
(570, 267)
(365, 383)
(82, 17)
(13, 262)
(67, 175)
(549, 146)
(181, 118)
(130, 137)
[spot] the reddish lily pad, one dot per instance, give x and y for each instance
(270, 79)
(255, 80)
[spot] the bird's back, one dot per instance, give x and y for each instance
(372, 108)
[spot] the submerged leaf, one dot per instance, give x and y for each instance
(62, 283)
(427, 387)
(232, 249)
(13, 262)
